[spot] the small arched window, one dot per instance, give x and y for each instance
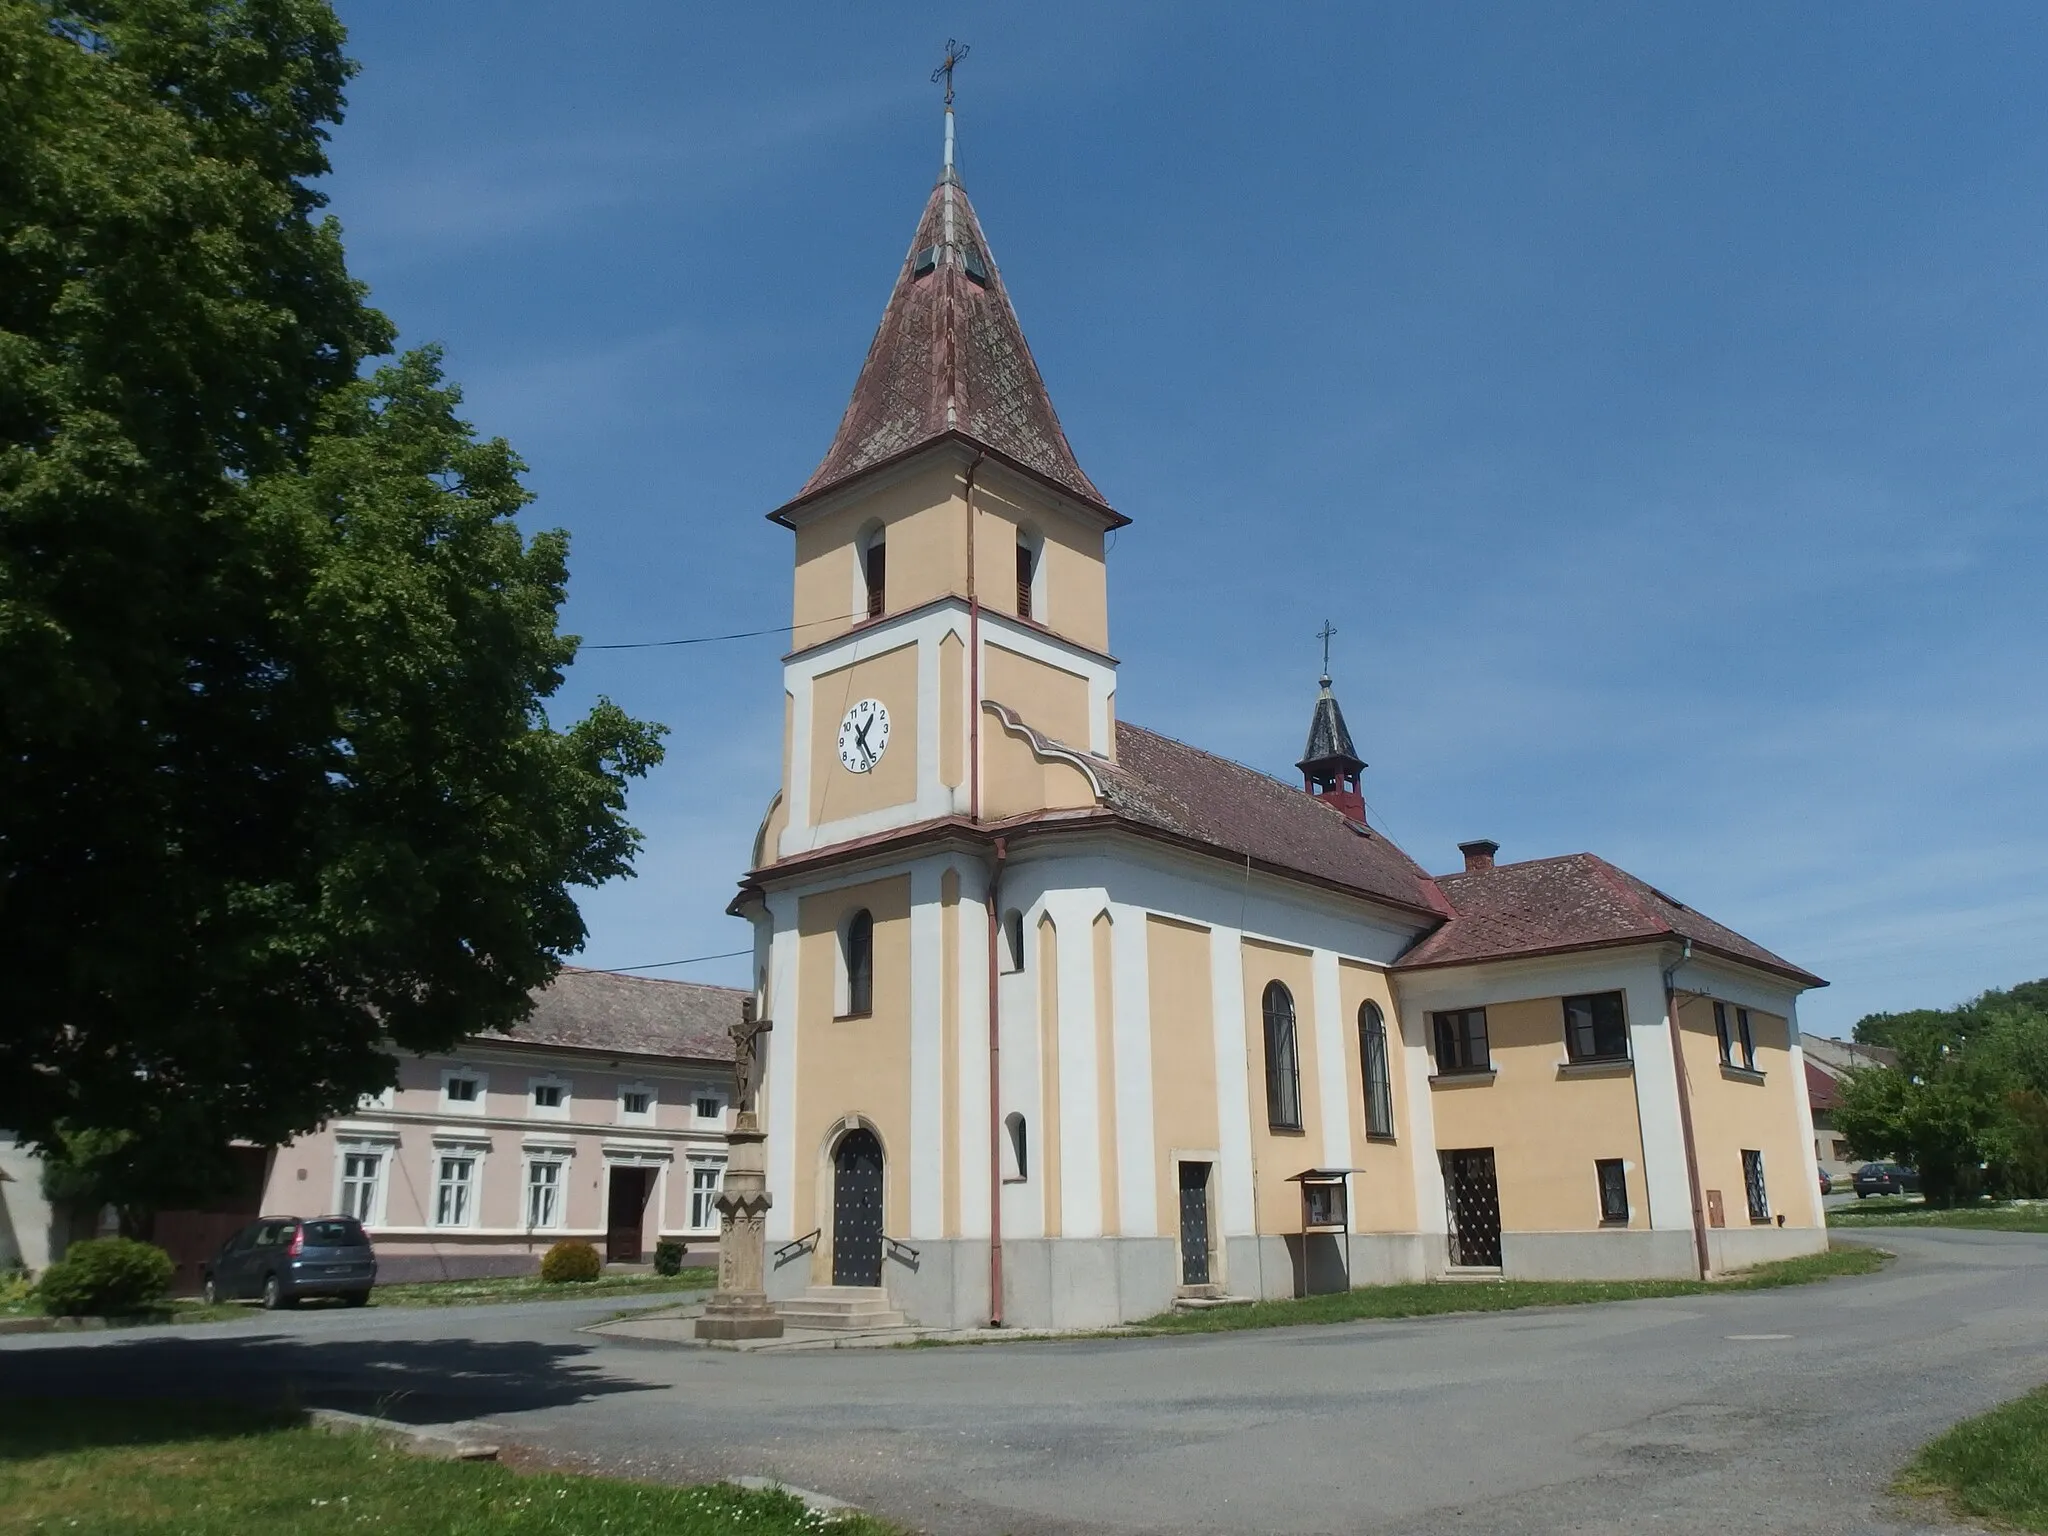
(1283, 1066)
(1027, 568)
(860, 964)
(1020, 1151)
(1372, 1060)
(874, 566)
(1013, 940)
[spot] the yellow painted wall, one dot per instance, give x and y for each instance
(1183, 1050)
(836, 793)
(769, 838)
(852, 1066)
(1278, 1155)
(1016, 781)
(925, 530)
(1383, 1191)
(1546, 1132)
(1730, 1115)
(1076, 582)
(1051, 701)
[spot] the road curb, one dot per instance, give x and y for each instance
(459, 1441)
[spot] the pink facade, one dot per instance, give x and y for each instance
(476, 1163)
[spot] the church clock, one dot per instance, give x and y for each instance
(864, 735)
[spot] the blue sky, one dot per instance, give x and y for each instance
(1653, 396)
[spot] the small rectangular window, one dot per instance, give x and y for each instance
(1613, 1179)
(1745, 1039)
(1024, 574)
(636, 1101)
(1461, 1041)
(462, 1090)
(547, 1095)
(1596, 1027)
(877, 572)
(1721, 1033)
(709, 1107)
(1753, 1186)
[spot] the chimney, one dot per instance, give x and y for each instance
(1478, 854)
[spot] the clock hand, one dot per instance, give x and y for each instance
(860, 735)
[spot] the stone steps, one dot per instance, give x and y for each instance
(846, 1308)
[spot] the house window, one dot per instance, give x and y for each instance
(709, 1106)
(462, 1088)
(1745, 1039)
(1721, 1033)
(455, 1191)
(362, 1178)
(1753, 1186)
(547, 1096)
(1596, 1027)
(1461, 1041)
(875, 569)
(1013, 940)
(543, 1195)
(860, 965)
(1283, 1068)
(706, 1179)
(1372, 1059)
(1613, 1180)
(1020, 1149)
(636, 1103)
(1026, 568)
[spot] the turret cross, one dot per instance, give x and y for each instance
(955, 52)
(1324, 634)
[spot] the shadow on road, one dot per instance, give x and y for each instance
(420, 1381)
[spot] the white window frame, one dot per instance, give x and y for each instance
(455, 1106)
(385, 1150)
(539, 1111)
(478, 1153)
(625, 1116)
(715, 1097)
(545, 1157)
(709, 1164)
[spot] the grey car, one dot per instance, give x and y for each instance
(282, 1259)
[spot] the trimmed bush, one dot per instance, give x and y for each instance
(106, 1277)
(668, 1257)
(573, 1261)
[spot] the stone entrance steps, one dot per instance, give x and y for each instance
(846, 1308)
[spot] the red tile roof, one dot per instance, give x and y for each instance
(1821, 1089)
(950, 360)
(1579, 901)
(1169, 786)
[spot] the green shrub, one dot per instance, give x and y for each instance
(106, 1277)
(15, 1288)
(570, 1261)
(668, 1257)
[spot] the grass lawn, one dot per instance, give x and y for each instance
(1502, 1295)
(1883, 1212)
(200, 1469)
(1994, 1465)
(466, 1293)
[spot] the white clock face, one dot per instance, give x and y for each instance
(864, 735)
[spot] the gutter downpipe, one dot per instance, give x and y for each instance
(995, 887)
(1692, 1156)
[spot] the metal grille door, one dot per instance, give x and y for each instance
(857, 1210)
(1473, 1198)
(1194, 1223)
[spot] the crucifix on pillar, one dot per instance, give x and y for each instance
(740, 1308)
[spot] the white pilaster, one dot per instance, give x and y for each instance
(1138, 1168)
(927, 1054)
(1080, 1128)
(779, 1066)
(1233, 1083)
(1337, 1108)
(1665, 1178)
(972, 1143)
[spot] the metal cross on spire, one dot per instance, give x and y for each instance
(1325, 634)
(955, 52)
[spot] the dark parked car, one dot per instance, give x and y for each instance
(1885, 1179)
(281, 1259)
(1827, 1185)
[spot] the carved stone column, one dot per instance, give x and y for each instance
(740, 1308)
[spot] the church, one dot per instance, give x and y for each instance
(1069, 1021)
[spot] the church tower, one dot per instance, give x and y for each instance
(1330, 765)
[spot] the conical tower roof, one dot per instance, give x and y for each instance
(1329, 739)
(950, 360)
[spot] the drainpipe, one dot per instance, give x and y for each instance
(1692, 1156)
(995, 1094)
(973, 659)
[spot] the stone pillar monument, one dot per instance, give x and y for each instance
(740, 1309)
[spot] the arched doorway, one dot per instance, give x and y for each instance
(857, 1209)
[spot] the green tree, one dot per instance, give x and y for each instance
(277, 785)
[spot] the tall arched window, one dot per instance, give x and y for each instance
(1013, 940)
(1283, 1068)
(1372, 1060)
(860, 964)
(1027, 568)
(875, 571)
(1020, 1150)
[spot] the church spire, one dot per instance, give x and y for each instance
(1330, 765)
(949, 358)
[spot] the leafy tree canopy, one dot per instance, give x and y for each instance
(277, 786)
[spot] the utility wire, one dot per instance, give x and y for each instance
(662, 965)
(743, 634)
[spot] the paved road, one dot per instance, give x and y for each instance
(1781, 1411)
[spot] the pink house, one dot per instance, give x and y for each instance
(603, 1117)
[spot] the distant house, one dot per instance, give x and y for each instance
(1828, 1062)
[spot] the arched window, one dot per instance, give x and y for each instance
(1027, 567)
(874, 566)
(1020, 1151)
(1013, 940)
(1372, 1060)
(1283, 1068)
(860, 964)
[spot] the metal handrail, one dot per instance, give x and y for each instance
(897, 1248)
(791, 1249)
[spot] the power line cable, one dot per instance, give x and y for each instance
(662, 965)
(743, 634)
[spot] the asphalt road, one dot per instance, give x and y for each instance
(1780, 1411)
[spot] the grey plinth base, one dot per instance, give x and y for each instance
(740, 1317)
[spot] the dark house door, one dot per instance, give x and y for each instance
(1194, 1223)
(1474, 1200)
(625, 1211)
(857, 1210)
